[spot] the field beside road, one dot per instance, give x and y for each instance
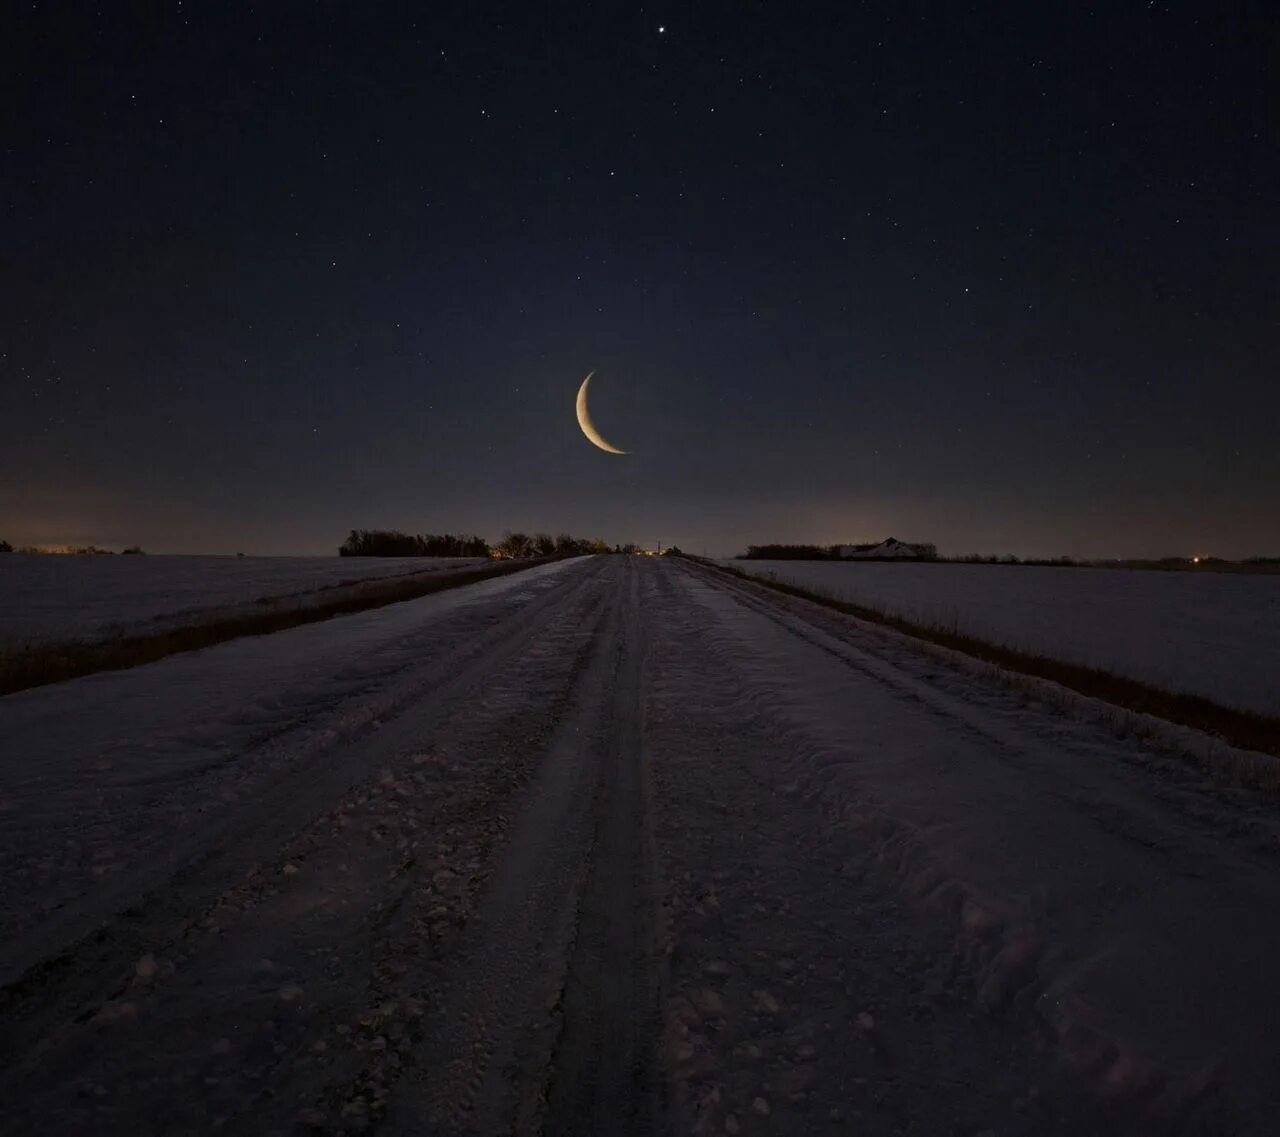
(1215, 635)
(46, 598)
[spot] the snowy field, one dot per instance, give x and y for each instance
(1210, 634)
(45, 598)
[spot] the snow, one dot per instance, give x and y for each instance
(248, 859)
(1210, 634)
(1129, 911)
(106, 778)
(47, 598)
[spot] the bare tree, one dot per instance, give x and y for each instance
(516, 545)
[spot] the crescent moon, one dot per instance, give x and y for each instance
(588, 427)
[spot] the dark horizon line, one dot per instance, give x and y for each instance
(76, 548)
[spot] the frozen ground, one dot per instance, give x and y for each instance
(618, 846)
(52, 598)
(1210, 634)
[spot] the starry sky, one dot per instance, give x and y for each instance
(998, 276)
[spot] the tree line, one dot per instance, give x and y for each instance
(516, 546)
(77, 550)
(393, 543)
(1185, 564)
(791, 552)
(924, 552)
(521, 545)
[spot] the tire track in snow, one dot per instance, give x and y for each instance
(296, 995)
(1087, 907)
(805, 997)
(70, 951)
(606, 1077)
(548, 1021)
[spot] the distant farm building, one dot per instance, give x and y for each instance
(890, 549)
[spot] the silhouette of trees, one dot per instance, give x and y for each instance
(517, 545)
(923, 552)
(544, 545)
(393, 543)
(5, 547)
(789, 552)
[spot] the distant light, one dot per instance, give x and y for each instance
(1195, 560)
(662, 29)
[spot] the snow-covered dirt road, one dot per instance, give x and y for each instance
(618, 846)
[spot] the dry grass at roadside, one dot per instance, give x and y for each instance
(1243, 729)
(53, 663)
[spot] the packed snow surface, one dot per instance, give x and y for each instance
(47, 598)
(1210, 634)
(557, 851)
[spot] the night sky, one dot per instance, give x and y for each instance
(997, 276)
